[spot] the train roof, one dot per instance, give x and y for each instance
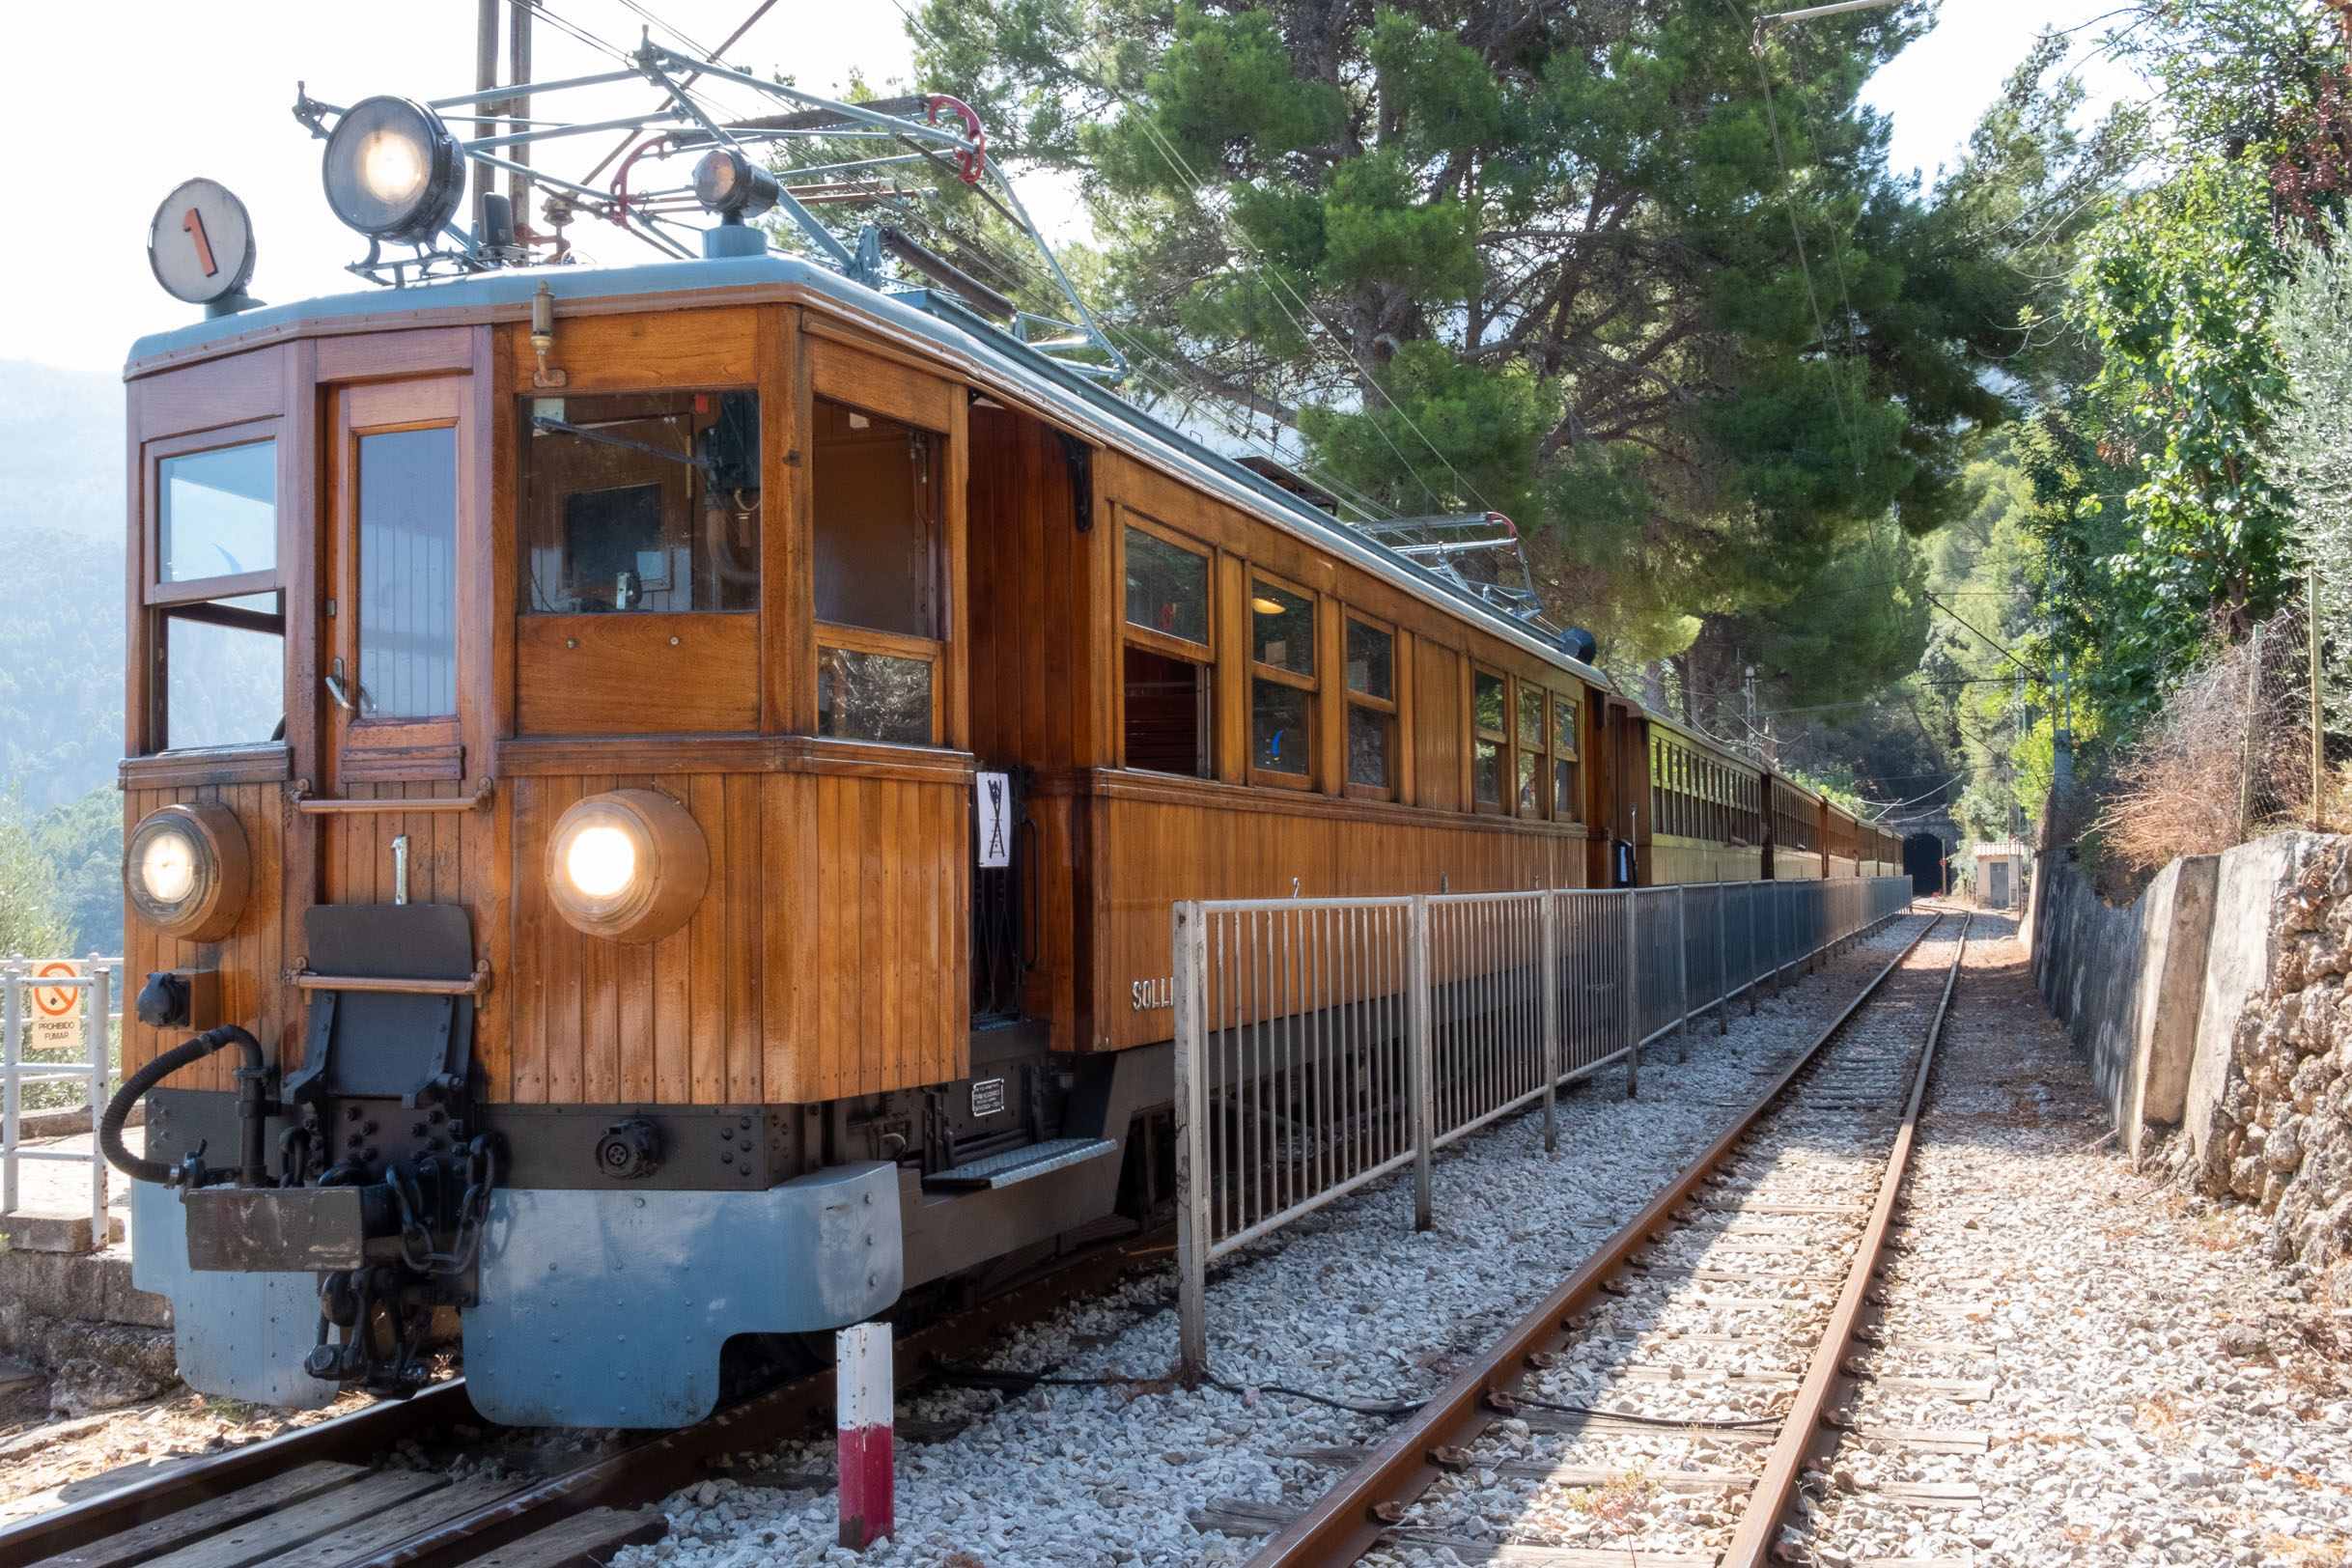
(934, 321)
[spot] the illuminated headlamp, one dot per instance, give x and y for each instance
(628, 865)
(731, 186)
(186, 871)
(393, 171)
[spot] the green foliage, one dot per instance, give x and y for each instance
(29, 926)
(1548, 264)
(2311, 439)
(82, 844)
(2174, 287)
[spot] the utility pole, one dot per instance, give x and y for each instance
(2319, 742)
(485, 78)
(519, 108)
(1748, 687)
(2254, 720)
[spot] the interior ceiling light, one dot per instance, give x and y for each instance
(1266, 606)
(186, 871)
(393, 171)
(628, 865)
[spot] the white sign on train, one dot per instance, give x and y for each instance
(993, 819)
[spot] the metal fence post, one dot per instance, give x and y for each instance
(1549, 906)
(1632, 994)
(99, 1036)
(1682, 968)
(1726, 977)
(1422, 1088)
(12, 1091)
(1192, 1175)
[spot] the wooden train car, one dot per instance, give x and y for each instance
(683, 806)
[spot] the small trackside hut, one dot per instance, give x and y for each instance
(656, 793)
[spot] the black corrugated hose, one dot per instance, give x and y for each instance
(118, 1110)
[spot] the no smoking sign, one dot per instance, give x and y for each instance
(53, 1013)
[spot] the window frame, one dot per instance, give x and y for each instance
(358, 732)
(1506, 777)
(155, 591)
(1280, 675)
(1202, 656)
(822, 635)
(892, 644)
(1389, 708)
(1571, 752)
(523, 609)
(1533, 757)
(197, 599)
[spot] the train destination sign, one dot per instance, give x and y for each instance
(201, 242)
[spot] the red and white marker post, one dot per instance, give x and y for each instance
(861, 1431)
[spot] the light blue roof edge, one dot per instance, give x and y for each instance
(946, 324)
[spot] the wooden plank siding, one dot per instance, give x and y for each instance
(829, 956)
(249, 959)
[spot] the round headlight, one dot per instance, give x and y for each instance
(732, 185)
(393, 171)
(187, 872)
(628, 865)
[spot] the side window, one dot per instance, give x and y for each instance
(1167, 667)
(1371, 684)
(218, 631)
(1490, 737)
(1534, 780)
(1282, 684)
(1567, 791)
(880, 581)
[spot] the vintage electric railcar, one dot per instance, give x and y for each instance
(668, 832)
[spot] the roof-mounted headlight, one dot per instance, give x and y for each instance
(731, 186)
(628, 865)
(393, 171)
(186, 871)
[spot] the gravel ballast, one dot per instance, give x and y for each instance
(2160, 1393)
(1350, 1303)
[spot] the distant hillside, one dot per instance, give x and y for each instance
(61, 450)
(61, 599)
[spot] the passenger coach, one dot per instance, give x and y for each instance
(658, 792)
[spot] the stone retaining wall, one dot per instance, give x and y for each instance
(2127, 983)
(2214, 1014)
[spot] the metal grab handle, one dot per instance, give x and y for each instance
(335, 689)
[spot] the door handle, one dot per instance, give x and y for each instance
(349, 696)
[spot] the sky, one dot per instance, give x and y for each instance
(196, 90)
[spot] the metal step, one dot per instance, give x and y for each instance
(1019, 1164)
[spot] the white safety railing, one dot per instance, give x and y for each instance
(29, 997)
(1322, 1043)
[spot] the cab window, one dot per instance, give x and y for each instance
(641, 503)
(218, 633)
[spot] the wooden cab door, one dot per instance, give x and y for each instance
(403, 633)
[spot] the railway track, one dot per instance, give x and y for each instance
(1671, 1403)
(321, 1496)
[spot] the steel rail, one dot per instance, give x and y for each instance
(645, 1471)
(1349, 1519)
(185, 1484)
(639, 1472)
(1814, 1421)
